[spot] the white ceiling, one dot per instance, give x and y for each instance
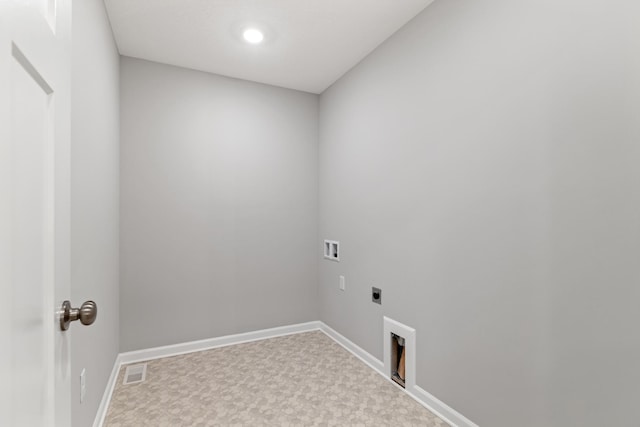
(308, 45)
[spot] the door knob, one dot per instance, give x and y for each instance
(87, 314)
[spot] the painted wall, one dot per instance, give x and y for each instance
(94, 202)
(482, 168)
(219, 195)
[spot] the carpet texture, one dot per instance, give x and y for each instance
(297, 380)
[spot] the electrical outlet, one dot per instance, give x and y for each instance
(376, 295)
(342, 284)
(83, 384)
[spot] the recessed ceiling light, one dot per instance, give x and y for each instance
(253, 35)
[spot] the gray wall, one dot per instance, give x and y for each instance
(94, 202)
(482, 168)
(219, 206)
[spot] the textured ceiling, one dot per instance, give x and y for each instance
(308, 44)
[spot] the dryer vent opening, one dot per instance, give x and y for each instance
(399, 353)
(398, 359)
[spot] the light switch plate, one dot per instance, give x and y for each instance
(342, 283)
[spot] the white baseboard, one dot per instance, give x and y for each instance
(207, 344)
(433, 404)
(360, 353)
(108, 392)
(439, 408)
(190, 347)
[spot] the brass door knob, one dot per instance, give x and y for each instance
(87, 314)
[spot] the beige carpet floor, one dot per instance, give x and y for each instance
(296, 380)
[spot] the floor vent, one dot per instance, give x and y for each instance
(135, 374)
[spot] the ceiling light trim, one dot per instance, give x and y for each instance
(253, 36)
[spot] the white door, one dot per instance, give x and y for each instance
(34, 211)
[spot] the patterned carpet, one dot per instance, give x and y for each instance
(296, 380)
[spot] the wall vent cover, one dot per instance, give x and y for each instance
(135, 374)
